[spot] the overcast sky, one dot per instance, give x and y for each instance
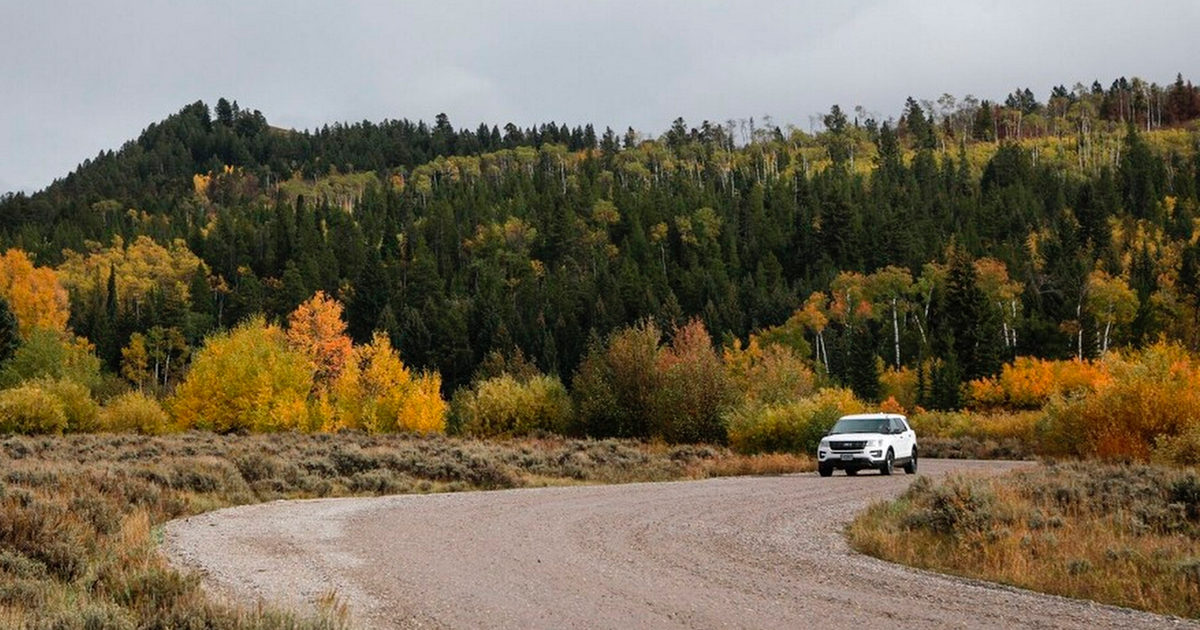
(81, 77)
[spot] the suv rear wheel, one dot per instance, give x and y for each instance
(887, 467)
(911, 466)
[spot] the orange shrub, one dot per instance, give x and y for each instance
(1030, 383)
(316, 329)
(1150, 397)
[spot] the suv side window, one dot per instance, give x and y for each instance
(901, 424)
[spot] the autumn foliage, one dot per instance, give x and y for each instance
(378, 393)
(140, 267)
(1030, 383)
(770, 373)
(317, 330)
(506, 405)
(36, 296)
(1149, 400)
(247, 379)
(635, 386)
(796, 426)
(310, 377)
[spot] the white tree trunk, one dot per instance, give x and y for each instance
(896, 332)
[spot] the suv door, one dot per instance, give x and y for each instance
(904, 438)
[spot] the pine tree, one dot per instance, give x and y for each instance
(104, 329)
(863, 363)
(10, 334)
(371, 294)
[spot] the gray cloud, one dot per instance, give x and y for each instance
(81, 79)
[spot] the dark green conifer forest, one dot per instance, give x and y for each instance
(946, 240)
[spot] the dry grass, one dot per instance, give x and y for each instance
(761, 464)
(1124, 535)
(78, 514)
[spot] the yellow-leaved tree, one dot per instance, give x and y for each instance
(141, 267)
(316, 329)
(377, 392)
(34, 293)
(247, 379)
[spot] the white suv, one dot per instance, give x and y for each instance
(875, 440)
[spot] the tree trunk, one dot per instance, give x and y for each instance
(896, 332)
(1079, 334)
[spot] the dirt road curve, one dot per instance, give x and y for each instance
(728, 553)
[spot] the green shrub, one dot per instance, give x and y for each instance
(135, 411)
(957, 506)
(631, 386)
(54, 355)
(795, 427)
(31, 409)
(83, 414)
(505, 406)
(616, 384)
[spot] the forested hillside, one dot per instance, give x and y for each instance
(930, 248)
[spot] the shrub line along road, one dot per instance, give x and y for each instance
(749, 552)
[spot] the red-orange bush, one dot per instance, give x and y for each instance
(1150, 397)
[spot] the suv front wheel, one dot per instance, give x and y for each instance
(887, 466)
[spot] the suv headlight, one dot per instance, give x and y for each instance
(874, 443)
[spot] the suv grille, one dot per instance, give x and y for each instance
(848, 446)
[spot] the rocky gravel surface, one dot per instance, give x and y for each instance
(748, 552)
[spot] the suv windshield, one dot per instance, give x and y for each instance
(860, 425)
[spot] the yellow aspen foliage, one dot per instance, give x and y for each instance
(380, 394)
(34, 293)
(900, 386)
(247, 379)
(200, 184)
(141, 267)
(316, 329)
(135, 360)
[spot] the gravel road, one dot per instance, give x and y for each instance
(748, 552)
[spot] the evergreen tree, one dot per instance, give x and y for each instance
(371, 294)
(864, 363)
(971, 320)
(10, 334)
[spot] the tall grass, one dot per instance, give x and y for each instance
(1120, 534)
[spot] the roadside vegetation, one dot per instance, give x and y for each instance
(1120, 534)
(79, 515)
